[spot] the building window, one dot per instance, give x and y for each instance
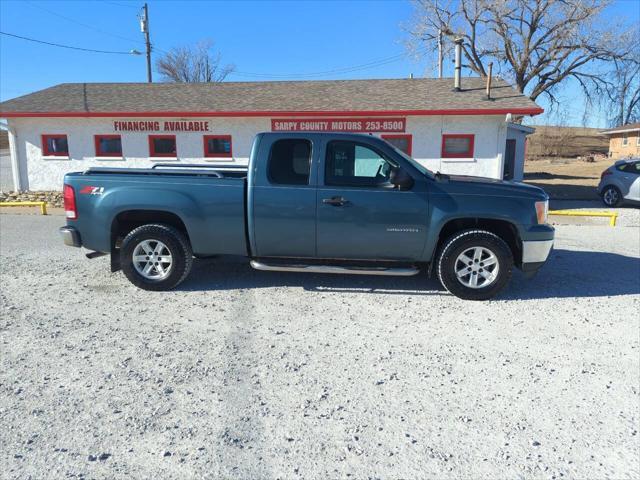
(217, 146)
(55, 145)
(457, 146)
(290, 162)
(162, 146)
(638, 140)
(625, 140)
(401, 142)
(108, 145)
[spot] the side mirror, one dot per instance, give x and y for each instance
(401, 179)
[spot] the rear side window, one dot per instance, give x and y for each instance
(290, 162)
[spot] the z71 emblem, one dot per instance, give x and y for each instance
(91, 190)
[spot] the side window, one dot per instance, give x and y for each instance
(635, 168)
(290, 162)
(352, 164)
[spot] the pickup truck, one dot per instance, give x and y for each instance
(311, 202)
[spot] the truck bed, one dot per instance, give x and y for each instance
(208, 200)
(217, 171)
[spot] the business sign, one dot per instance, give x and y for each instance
(338, 124)
(164, 126)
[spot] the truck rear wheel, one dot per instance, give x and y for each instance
(156, 257)
(475, 264)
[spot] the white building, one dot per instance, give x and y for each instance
(71, 127)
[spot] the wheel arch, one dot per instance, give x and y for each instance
(506, 230)
(128, 220)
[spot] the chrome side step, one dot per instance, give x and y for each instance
(351, 270)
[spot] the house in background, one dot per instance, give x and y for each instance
(72, 127)
(624, 141)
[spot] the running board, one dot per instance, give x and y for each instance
(351, 270)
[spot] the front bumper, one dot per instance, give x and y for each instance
(70, 236)
(536, 251)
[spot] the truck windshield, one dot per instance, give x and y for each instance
(421, 168)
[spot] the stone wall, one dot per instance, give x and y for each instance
(53, 199)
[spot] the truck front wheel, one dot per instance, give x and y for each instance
(475, 264)
(156, 257)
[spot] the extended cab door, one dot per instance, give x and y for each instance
(360, 214)
(282, 197)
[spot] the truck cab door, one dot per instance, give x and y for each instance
(282, 197)
(360, 214)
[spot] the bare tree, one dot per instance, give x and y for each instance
(621, 96)
(537, 44)
(193, 64)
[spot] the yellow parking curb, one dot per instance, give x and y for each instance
(584, 213)
(42, 205)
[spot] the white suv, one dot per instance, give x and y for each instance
(620, 182)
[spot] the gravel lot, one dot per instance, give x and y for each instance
(245, 374)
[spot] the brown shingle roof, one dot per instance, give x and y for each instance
(399, 95)
(622, 128)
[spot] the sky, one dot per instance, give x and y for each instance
(265, 40)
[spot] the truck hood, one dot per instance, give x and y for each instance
(466, 184)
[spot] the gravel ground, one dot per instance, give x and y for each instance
(245, 374)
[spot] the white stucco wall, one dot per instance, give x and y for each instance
(46, 173)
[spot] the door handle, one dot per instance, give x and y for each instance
(335, 201)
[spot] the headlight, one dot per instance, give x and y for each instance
(542, 211)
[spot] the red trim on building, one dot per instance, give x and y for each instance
(272, 113)
(406, 136)
(467, 154)
(100, 153)
(45, 145)
(152, 151)
(208, 154)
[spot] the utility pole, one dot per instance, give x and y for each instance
(439, 53)
(144, 27)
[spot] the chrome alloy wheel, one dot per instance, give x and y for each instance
(610, 196)
(152, 259)
(477, 267)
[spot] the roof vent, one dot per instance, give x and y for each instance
(458, 65)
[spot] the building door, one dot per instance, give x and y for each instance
(509, 159)
(360, 216)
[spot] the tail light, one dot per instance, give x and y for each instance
(70, 202)
(605, 173)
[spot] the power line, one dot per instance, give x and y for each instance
(354, 68)
(121, 5)
(90, 27)
(67, 46)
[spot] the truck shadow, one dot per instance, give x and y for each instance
(567, 274)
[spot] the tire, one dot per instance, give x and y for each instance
(611, 196)
(489, 279)
(156, 242)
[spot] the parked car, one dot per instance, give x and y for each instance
(620, 182)
(316, 202)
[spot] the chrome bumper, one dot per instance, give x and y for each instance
(536, 251)
(70, 236)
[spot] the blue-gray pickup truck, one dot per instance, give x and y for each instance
(311, 202)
